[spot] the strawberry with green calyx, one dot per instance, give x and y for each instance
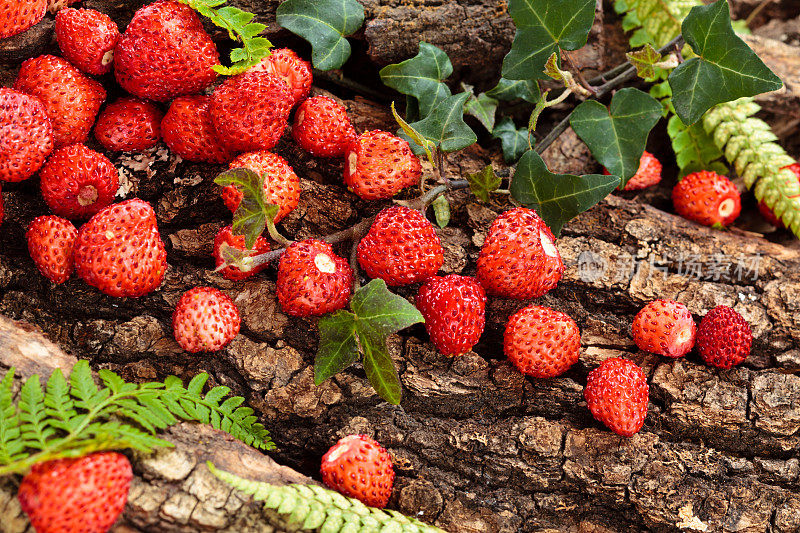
(664, 327)
(281, 184)
(707, 198)
(205, 320)
(378, 165)
(542, 342)
(51, 241)
(225, 237)
(129, 125)
(358, 467)
(288, 66)
(87, 38)
(617, 395)
(188, 131)
(454, 308)
(17, 16)
(23, 117)
(724, 338)
(322, 128)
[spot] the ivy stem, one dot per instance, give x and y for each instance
(625, 67)
(585, 84)
(276, 235)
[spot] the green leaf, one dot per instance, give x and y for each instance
(445, 126)
(251, 216)
(378, 365)
(514, 141)
(543, 27)
(644, 60)
(483, 182)
(441, 210)
(414, 135)
(507, 90)
(385, 311)
(421, 77)
(83, 387)
(324, 24)
(725, 67)
(483, 108)
(617, 136)
(338, 346)
(694, 148)
(557, 197)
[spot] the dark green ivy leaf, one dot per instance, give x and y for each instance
(725, 67)
(421, 77)
(483, 108)
(324, 24)
(557, 197)
(253, 212)
(338, 348)
(445, 126)
(506, 90)
(617, 136)
(543, 27)
(514, 141)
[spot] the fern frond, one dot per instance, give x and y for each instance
(312, 507)
(654, 21)
(748, 143)
(694, 148)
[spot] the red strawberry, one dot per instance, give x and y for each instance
(542, 342)
(165, 52)
(454, 311)
(87, 38)
(707, 198)
(664, 327)
(78, 182)
(765, 210)
(281, 184)
(321, 127)
(83, 494)
(120, 251)
(401, 247)
(26, 136)
(70, 99)
(286, 64)
(378, 165)
(129, 125)
(226, 236)
(617, 394)
(17, 16)
(312, 280)
(188, 131)
(724, 338)
(648, 174)
(250, 111)
(358, 467)
(205, 320)
(51, 241)
(519, 258)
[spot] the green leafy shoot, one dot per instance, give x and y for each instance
(445, 126)
(557, 197)
(441, 210)
(415, 136)
(514, 141)
(421, 77)
(254, 214)
(483, 182)
(70, 418)
(375, 313)
(315, 508)
(645, 61)
(324, 24)
(240, 28)
(507, 90)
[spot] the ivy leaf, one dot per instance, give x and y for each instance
(514, 141)
(557, 197)
(644, 60)
(338, 347)
(507, 90)
(421, 77)
(414, 135)
(617, 136)
(379, 367)
(483, 108)
(254, 212)
(483, 182)
(386, 312)
(441, 210)
(725, 67)
(324, 24)
(543, 27)
(445, 125)
(694, 148)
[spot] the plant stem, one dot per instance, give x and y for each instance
(585, 84)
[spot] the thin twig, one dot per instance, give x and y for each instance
(347, 83)
(753, 14)
(585, 84)
(559, 128)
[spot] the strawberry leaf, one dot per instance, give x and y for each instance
(253, 213)
(324, 24)
(421, 77)
(557, 197)
(338, 346)
(483, 182)
(445, 126)
(506, 90)
(725, 68)
(514, 141)
(617, 136)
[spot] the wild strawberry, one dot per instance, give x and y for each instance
(724, 338)
(87, 38)
(129, 125)
(707, 198)
(401, 247)
(70, 98)
(617, 394)
(312, 280)
(519, 258)
(288, 66)
(378, 165)
(78, 182)
(205, 320)
(26, 136)
(188, 131)
(281, 184)
(51, 241)
(250, 111)
(226, 236)
(454, 311)
(542, 342)
(18, 16)
(765, 210)
(77, 494)
(321, 127)
(358, 467)
(664, 327)
(120, 251)
(648, 174)
(165, 52)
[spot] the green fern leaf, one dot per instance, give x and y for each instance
(10, 442)
(35, 430)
